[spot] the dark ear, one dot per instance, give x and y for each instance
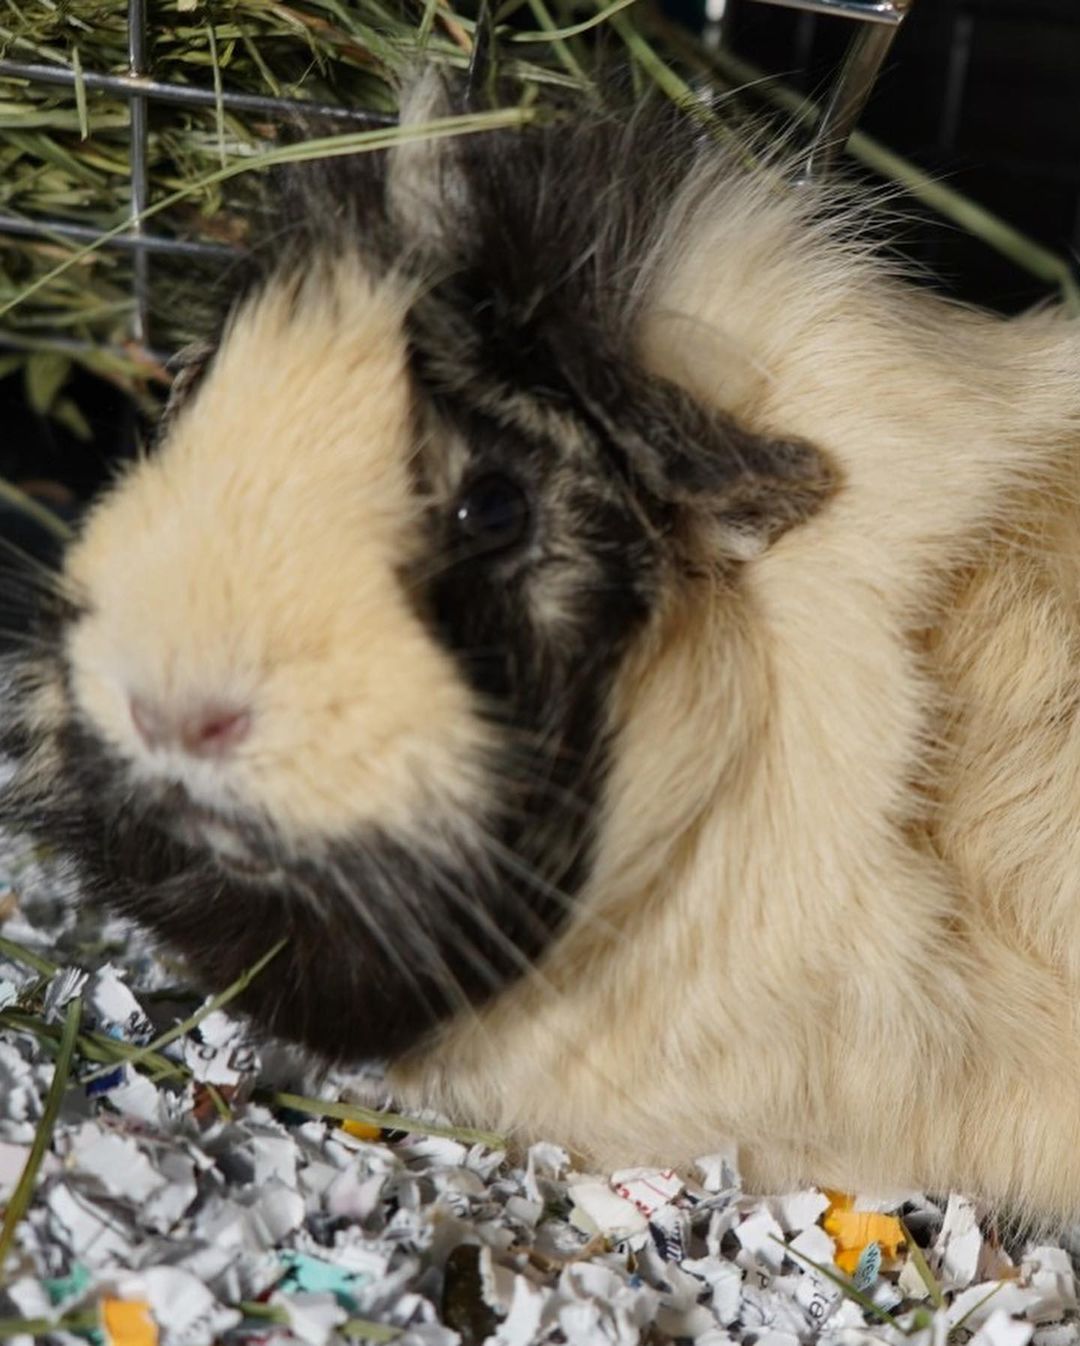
(702, 460)
(758, 485)
(187, 367)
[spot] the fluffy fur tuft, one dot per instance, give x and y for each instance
(729, 791)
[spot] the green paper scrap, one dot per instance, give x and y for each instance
(62, 1289)
(311, 1275)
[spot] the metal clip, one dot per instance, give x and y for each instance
(880, 22)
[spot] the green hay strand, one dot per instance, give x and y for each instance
(19, 953)
(192, 1022)
(64, 151)
(219, 106)
(97, 1047)
(358, 142)
(111, 1052)
(20, 1198)
(25, 504)
(574, 29)
(922, 1266)
(360, 1329)
(845, 1286)
(85, 1321)
(560, 46)
(80, 95)
(393, 1121)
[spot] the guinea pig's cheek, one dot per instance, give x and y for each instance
(98, 686)
(323, 759)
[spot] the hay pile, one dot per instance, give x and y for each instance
(65, 151)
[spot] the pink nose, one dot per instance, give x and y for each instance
(211, 729)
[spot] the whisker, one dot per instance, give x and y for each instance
(51, 578)
(536, 978)
(359, 908)
(30, 640)
(541, 883)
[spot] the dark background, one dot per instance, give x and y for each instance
(985, 93)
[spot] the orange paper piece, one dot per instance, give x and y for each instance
(852, 1230)
(361, 1130)
(128, 1322)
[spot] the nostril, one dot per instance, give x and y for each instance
(214, 730)
(211, 729)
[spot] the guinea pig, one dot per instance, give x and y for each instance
(623, 637)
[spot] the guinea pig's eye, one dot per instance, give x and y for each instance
(492, 512)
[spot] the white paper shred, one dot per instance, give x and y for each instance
(184, 1308)
(312, 1318)
(194, 1195)
(521, 1326)
(1001, 1330)
(597, 1209)
(65, 985)
(796, 1211)
(647, 1188)
(221, 1053)
(111, 1002)
(115, 1164)
(959, 1244)
(761, 1237)
(1049, 1273)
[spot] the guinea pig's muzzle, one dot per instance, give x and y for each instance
(385, 934)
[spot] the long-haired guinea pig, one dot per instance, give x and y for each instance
(625, 641)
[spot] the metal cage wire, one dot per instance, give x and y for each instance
(879, 21)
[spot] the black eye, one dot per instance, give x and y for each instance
(492, 512)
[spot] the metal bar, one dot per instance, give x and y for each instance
(26, 341)
(881, 20)
(85, 233)
(873, 11)
(181, 95)
(848, 96)
(956, 79)
(140, 178)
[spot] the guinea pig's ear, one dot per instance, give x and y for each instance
(425, 190)
(187, 367)
(747, 487)
(751, 487)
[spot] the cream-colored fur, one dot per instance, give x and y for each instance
(835, 913)
(252, 564)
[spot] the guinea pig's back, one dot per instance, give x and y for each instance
(1006, 652)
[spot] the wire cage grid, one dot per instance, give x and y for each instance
(880, 20)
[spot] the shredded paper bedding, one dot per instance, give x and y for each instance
(210, 1188)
